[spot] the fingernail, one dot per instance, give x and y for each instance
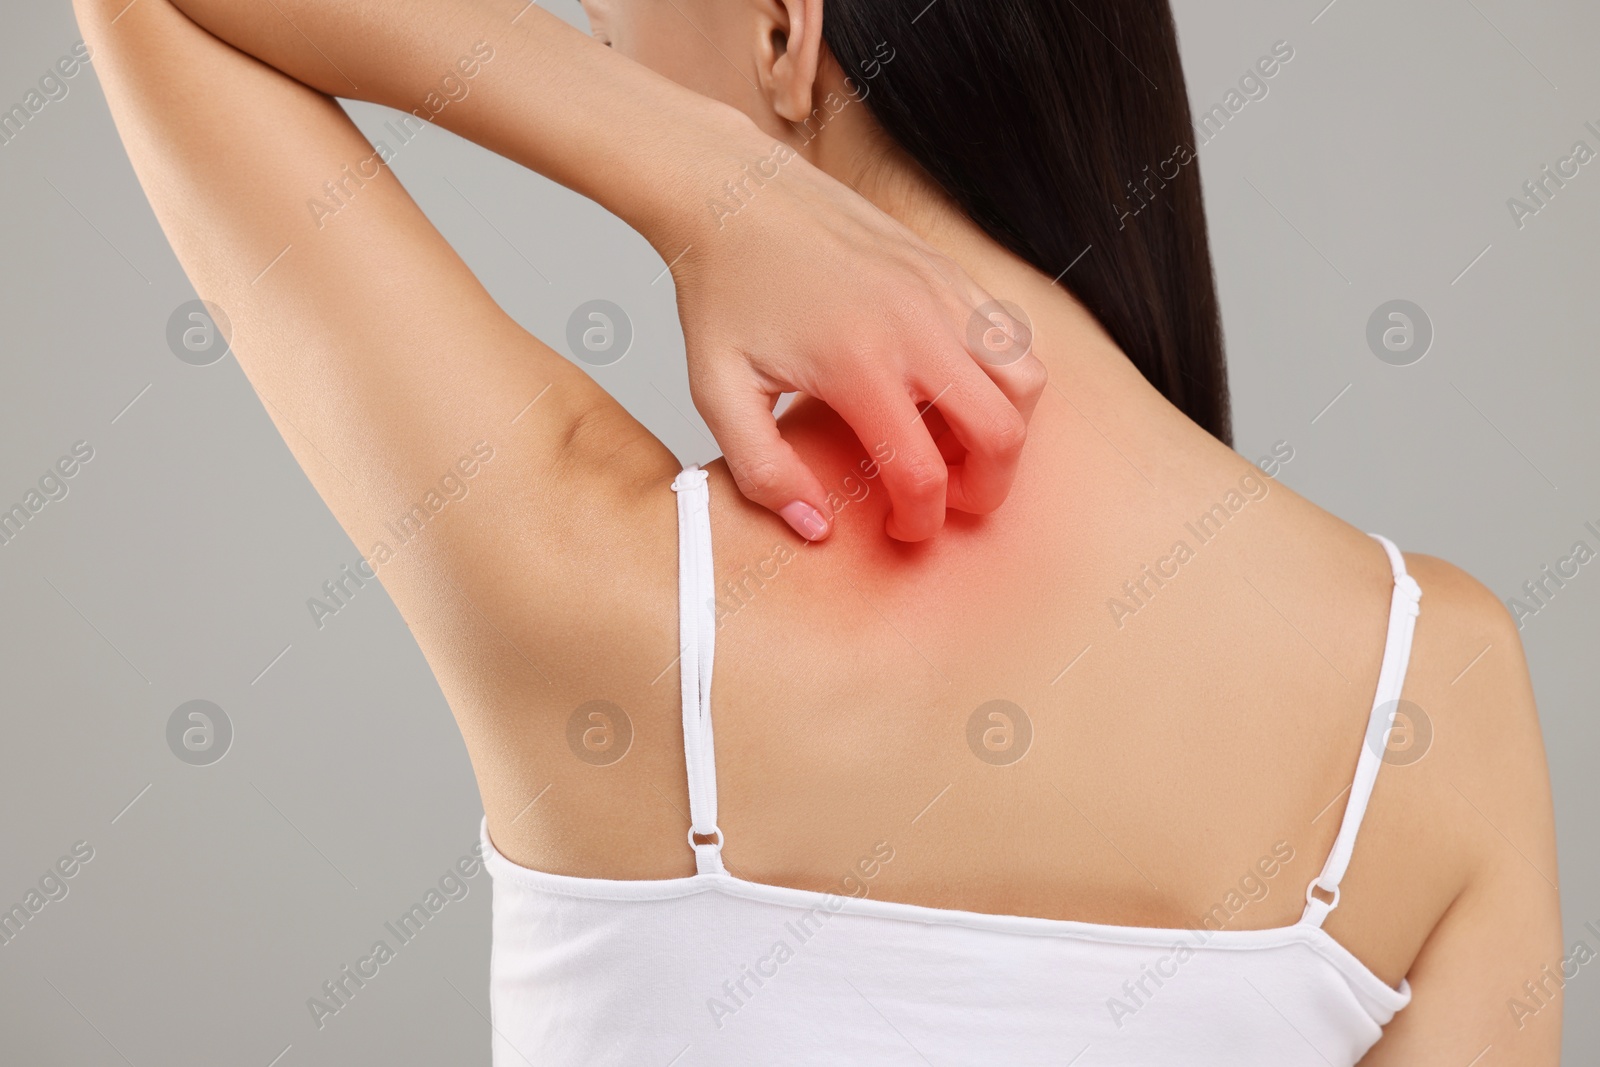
(806, 520)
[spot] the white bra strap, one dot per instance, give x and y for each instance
(1403, 611)
(696, 634)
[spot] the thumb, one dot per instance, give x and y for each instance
(766, 468)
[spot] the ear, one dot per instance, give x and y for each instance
(788, 55)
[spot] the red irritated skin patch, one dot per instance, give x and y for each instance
(989, 567)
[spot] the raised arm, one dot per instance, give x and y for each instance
(458, 452)
(761, 304)
(518, 517)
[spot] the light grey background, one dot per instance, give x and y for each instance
(178, 567)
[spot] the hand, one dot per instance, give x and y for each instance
(810, 288)
(807, 288)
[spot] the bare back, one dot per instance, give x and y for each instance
(1121, 699)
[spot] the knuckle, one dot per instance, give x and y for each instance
(851, 356)
(907, 308)
(923, 478)
(1008, 434)
(755, 477)
(1033, 376)
(864, 354)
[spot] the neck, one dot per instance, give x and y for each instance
(1077, 351)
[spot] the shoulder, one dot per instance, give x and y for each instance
(1469, 684)
(1468, 665)
(1443, 581)
(1475, 802)
(1468, 650)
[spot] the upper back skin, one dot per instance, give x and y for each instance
(1189, 750)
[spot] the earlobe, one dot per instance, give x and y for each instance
(793, 51)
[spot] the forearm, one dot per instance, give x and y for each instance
(513, 78)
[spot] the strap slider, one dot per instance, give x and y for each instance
(716, 834)
(707, 854)
(1311, 898)
(689, 478)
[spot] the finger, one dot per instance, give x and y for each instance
(765, 467)
(1000, 341)
(950, 448)
(990, 431)
(891, 429)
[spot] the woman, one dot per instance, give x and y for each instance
(1156, 763)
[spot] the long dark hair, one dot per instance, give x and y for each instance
(1063, 129)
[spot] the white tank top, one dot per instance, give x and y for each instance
(713, 969)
